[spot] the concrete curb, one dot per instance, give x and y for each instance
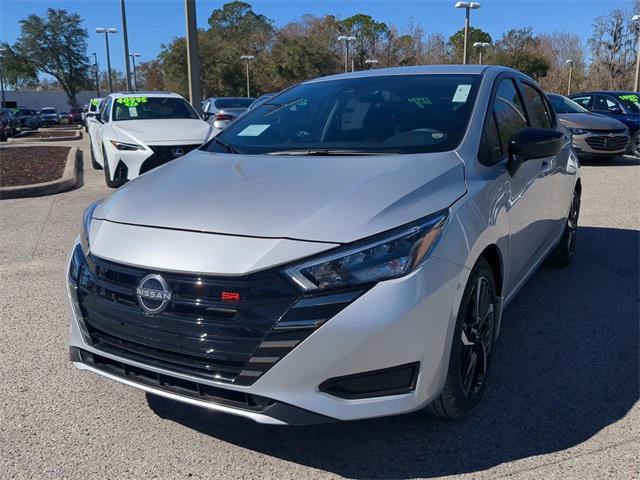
(67, 181)
(32, 136)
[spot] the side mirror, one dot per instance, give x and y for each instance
(207, 115)
(532, 143)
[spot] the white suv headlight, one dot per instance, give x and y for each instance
(382, 257)
(126, 146)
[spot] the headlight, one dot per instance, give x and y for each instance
(87, 217)
(391, 255)
(579, 131)
(126, 146)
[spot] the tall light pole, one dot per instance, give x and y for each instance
(193, 57)
(247, 59)
(95, 69)
(468, 6)
(133, 56)
(126, 46)
(481, 46)
(106, 32)
(636, 84)
(2, 50)
(570, 63)
(347, 39)
(372, 62)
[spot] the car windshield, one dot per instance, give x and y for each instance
(49, 110)
(374, 114)
(565, 105)
(631, 101)
(152, 108)
(222, 103)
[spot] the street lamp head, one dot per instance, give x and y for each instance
(471, 5)
(636, 18)
(569, 62)
(348, 38)
(481, 44)
(134, 54)
(371, 61)
(100, 30)
(247, 57)
(106, 30)
(112, 30)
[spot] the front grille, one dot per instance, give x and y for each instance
(162, 154)
(607, 143)
(200, 334)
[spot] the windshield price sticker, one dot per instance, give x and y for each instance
(253, 130)
(462, 93)
(131, 101)
(133, 112)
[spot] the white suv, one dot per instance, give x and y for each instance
(140, 131)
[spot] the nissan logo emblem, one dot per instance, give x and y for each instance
(153, 294)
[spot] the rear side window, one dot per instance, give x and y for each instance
(106, 110)
(583, 101)
(605, 104)
(539, 116)
(509, 112)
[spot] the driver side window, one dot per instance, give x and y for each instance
(504, 120)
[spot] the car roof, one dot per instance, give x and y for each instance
(145, 94)
(420, 69)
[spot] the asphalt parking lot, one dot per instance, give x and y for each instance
(562, 401)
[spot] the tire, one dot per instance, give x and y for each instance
(473, 340)
(107, 173)
(94, 163)
(634, 148)
(562, 255)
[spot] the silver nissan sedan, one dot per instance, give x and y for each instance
(343, 251)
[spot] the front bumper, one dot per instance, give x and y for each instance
(397, 322)
(606, 145)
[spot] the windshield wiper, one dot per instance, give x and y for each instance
(321, 152)
(227, 146)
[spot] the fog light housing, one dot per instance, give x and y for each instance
(377, 383)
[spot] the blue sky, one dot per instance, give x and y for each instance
(153, 22)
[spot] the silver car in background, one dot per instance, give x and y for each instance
(594, 135)
(343, 251)
(221, 111)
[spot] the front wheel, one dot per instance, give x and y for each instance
(562, 255)
(473, 340)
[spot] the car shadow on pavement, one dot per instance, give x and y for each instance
(564, 368)
(621, 161)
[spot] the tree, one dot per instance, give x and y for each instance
(55, 45)
(151, 75)
(456, 44)
(369, 36)
(557, 48)
(519, 49)
(612, 45)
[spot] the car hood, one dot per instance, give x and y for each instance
(335, 199)
(166, 131)
(590, 121)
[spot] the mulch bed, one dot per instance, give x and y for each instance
(29, 165)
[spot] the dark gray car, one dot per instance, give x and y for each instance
(594, 135)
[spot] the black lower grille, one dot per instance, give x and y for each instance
(607, 143)
(163, 154)
(172, 384)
